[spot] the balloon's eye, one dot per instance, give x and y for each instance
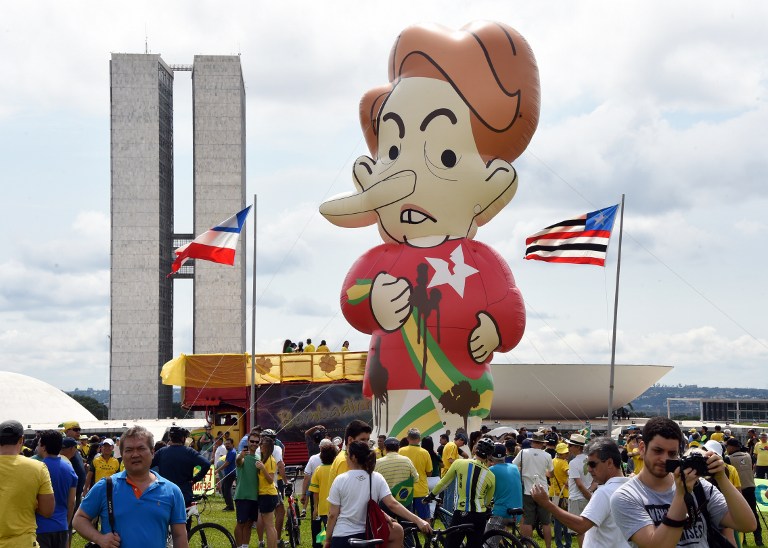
(394, 152)
(448, 158)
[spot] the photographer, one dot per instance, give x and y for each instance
(659, 506)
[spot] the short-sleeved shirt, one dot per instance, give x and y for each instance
(577, 469)
(267, 487)
(635, 505)
(321, 484)
(182, 465)
(761, 452)
(534, 464)
(450, 453)
(350, 492)
(247, 479)
(400, 474)
(63, 479)
(103, 468)
(605, 533)
(230, 464)
(509, 488)
(558, 486)
(423, 464)
(339, 465)
(21, 481)
(140, 521)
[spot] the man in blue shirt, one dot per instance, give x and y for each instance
(230, 473)
(145, 504)
(177, 462)
(53, 532)
(509, 489)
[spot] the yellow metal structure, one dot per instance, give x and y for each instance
(234, 370)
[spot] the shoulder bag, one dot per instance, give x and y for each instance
(715, 538)
(110, 513)
(376, 521)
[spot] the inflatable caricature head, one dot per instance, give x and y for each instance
(459, 108)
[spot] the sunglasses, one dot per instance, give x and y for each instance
(253, 441)
(592, 463)
(75, 429)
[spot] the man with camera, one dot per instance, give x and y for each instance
(660, 507)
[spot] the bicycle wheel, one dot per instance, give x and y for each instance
(527, 542)
(292, 527)
(210, 535)
(498, 538)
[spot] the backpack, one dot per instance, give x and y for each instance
(376, 521)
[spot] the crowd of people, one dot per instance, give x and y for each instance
(290, 346)
(654, 487)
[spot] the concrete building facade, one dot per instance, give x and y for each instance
(142, 244)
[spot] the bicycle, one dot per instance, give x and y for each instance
(204, 534)
(293, 517)
(436, 539)
(495, 538)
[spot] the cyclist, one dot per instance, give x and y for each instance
(475, 486)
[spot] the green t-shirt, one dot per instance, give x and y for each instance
(247, 480)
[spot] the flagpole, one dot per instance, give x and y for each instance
(615, 315)
(253, 325)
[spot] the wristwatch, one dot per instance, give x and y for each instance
(669, 522)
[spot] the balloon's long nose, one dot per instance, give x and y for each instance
(380, 194)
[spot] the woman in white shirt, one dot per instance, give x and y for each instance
(349, 498)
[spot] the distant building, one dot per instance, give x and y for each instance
(734, 411)
(142, 243)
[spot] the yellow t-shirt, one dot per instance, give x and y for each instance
(23, 480)
(733, 475)
(761, 450)
(450, 452)
(559, 477)
(423, 464)
(339, 465)
(104, 468)
(268, 487)
(321, 484)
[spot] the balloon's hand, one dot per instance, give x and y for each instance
(484, 338)
(390, 301)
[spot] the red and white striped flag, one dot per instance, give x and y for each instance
(583, 240)
(216, 245)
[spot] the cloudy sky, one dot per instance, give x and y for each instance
(664, 102)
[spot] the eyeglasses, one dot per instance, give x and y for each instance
(253, 441)
(75, 429)
(592, 463)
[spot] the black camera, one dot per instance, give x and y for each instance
(696, 461)
(318, 436)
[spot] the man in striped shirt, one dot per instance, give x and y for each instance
(475, 485)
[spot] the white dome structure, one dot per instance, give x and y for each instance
(29, 400)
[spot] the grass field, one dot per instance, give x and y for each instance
(214, 513)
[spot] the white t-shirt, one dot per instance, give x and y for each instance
(605, 533)
(312, 464)
(577, 469)
(533, 462)
(635, 505)
(221, 451)
(350, 492)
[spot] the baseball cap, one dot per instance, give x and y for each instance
(714, 445)
(499, 451)
(108, 441)
(733, 442)
(69, 442)
(69, 425)
(562, 448)
(391, 442)
(11, 428)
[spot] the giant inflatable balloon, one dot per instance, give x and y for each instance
(459, 107)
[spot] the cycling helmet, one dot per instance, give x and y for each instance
(484, 448)
(269, 433)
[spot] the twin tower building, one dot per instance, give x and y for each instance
(142, 215)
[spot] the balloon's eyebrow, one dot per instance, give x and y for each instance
(448, 113)
(395, 118)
